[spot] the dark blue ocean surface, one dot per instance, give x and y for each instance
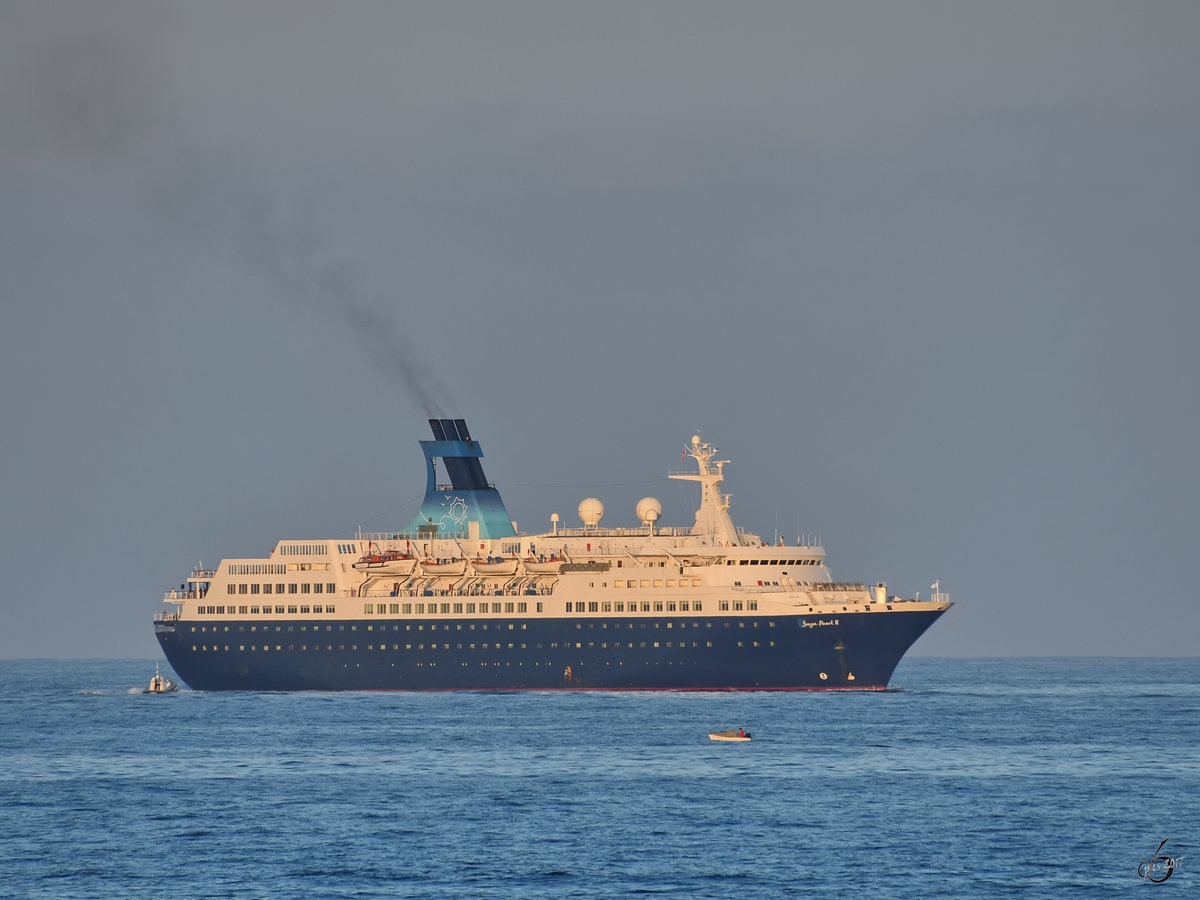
(974, 778)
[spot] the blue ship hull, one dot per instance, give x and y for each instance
(857, 651)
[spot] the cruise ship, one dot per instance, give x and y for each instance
(460, 600)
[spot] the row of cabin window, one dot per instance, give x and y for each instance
(265, 610)
(483, 626)
(578, 645)
(292, 588)
(303, 550)
(774, 562)
(647, 606)
(433, 627)
(396, 609)
(655, 582)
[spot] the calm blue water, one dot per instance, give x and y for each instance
(994, 778)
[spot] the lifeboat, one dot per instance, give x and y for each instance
(387, 562)
(494, 566)
(443, 566)
(551, 566)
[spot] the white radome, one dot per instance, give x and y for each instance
(648, 510)
(591, 511)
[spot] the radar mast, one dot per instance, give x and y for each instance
(712, 518)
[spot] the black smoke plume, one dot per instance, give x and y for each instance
(100, 101)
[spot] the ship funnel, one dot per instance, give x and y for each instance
(468, 505)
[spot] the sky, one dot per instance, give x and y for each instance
(925, 272)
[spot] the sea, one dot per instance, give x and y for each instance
(969, 778)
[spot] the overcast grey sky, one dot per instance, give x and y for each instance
(926, 272)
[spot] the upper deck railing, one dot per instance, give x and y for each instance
(578, 532)
(409, 536)
(177, 595)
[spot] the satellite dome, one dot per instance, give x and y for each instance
(648, 510)
(591, 511)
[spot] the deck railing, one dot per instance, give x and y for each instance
(177, 595)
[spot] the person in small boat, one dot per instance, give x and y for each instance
(741, 733)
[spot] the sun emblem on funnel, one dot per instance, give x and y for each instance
(457, 514)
